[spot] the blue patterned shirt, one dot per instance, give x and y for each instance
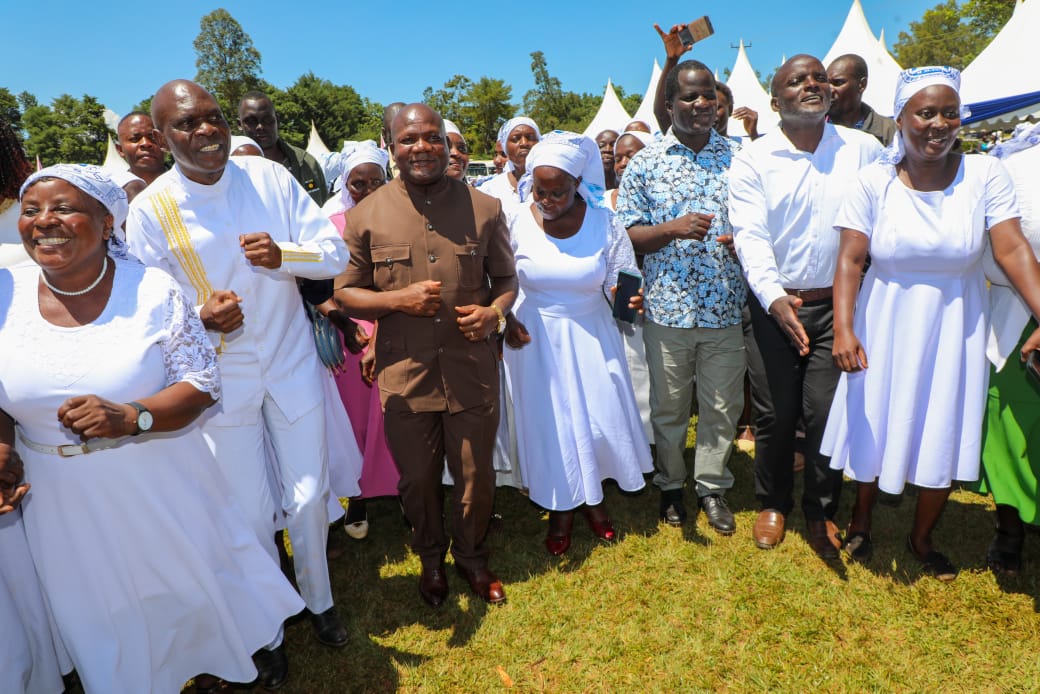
(689, 284)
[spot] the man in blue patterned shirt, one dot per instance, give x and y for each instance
(673, 200)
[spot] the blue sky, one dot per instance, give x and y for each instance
(389, 51)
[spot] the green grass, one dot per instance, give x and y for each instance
(669, 609)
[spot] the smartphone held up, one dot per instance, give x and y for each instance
(697, 30)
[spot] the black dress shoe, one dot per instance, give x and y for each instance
(272, 666)
(433, 585)
(672, 510)
(719, 516)
(329, 630)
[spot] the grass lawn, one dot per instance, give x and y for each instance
(667, 609)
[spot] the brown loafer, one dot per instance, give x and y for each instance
(484, 583)
(769, 529)
(823, 538)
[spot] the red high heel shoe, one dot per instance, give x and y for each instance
(600, 523)
(558, 538)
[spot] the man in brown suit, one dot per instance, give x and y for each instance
(431, 261)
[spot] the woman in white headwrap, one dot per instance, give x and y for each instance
(147, 564)
(913, 413)
(577, 420)
(1011, 431)
(516, 137)
(358, 170)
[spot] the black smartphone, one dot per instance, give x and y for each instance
(1032, 364)
(697, 30)
(628, 284)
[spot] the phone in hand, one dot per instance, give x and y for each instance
(697, 30)
(1032, 363)
(628, 284)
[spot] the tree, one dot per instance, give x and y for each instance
(952, 34)
(10, 113)
(337, 111)
(486, 106)
(450, 100)
(69, 130)
(228, 64)
(547, 103)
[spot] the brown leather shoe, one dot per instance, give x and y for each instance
(823, 538)
(484, 583)
(433, 585)
(769, 529)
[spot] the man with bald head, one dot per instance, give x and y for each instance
(847, 75)
(784, 191)
(236, 233)
(432, 262)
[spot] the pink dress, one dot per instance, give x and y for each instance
(379, 474)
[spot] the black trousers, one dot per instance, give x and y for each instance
(787, 387)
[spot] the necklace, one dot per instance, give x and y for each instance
(81, 292)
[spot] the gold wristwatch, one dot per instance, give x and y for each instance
(501, 317)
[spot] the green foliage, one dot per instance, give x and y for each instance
(228, 64)
(478, 108)
(10, 112)
(69, 130)
(548, 104)
(337, 111)
(951, 33)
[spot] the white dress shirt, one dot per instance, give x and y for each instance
(192, 231)
(782, 205)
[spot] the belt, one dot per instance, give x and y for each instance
(69, 450)
(811, 295)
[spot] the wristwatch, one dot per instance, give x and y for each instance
(144, 418)
(501, 318)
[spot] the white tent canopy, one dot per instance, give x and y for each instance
(113, 161)
(1002, 68)
(748, 91)
(611, 114)
(645, 112)
(315, 147)
(883, 71)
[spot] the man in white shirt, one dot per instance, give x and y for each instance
(784, 191)
(236, 234)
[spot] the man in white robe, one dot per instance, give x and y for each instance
(236, 234)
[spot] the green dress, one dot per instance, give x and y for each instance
(1011, 431)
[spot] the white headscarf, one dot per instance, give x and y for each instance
(910, 82)
(98, 184)
(507, 128)
(576, 154)
(645, 138)
(338, 165)
(450, 127)
(1026, 135)
(242, 140)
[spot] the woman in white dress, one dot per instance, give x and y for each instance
(914, 412)
(516, 137)
(577, 421)
(148, 566)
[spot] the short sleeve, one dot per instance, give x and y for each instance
(633, 208)
(620, 254)
(859, 209)
(1001, 204)
(188, 355)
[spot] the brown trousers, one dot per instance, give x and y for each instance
(419, 442)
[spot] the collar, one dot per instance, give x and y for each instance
(194, 188)
(780, 144)
(716, 145)
(437, 189)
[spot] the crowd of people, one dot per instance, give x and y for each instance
(228, 346)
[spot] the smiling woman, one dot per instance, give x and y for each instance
(914, 413)
(137, 547)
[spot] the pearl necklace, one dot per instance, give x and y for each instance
(81, 292)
